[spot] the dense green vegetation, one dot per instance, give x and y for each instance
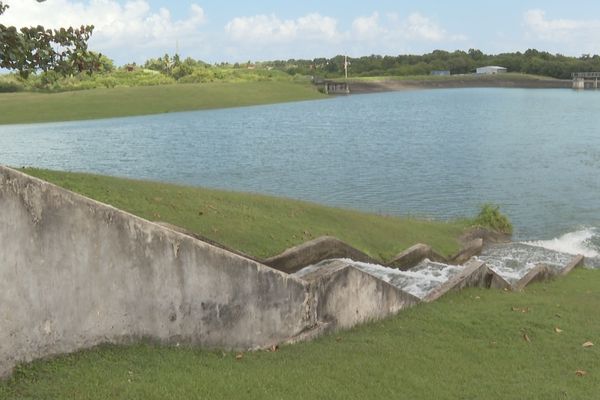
(491, 217)
(62, 51)
(29, 107)
(172, 69)
(532, 62)
(259, 225)
(129, 76)
(476, 344)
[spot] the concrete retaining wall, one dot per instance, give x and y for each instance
(75, 273)
(346, 296)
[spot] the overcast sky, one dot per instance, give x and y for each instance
(214, 31)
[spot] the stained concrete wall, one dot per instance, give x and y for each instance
(75, 273)
(346, 296)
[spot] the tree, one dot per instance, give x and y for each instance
(28, 50)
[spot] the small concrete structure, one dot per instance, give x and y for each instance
(585, 80)
(333, 87)
(491, 70)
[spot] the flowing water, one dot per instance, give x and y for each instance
(431, 153)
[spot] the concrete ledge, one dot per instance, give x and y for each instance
(313, 252)
(578, 261)
(472, 248)
(412, 256)
(537, 274)
(474, 274)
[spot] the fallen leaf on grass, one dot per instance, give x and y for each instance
(526, 338)
(587, 344)
(558, 330)
(273, 348)
(580, 372)
(239, 356)
(338, 339)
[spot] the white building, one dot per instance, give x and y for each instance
(491, 70)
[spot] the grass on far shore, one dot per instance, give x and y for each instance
(475, 344)
(29, 107)
(259, 225)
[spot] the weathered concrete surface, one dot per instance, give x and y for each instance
(539, 273)
(347, 296)
(412, 256)
(75, 273)
(207, 240)
(474, 274)
(578, 261)
(313, 252)
(472, 248)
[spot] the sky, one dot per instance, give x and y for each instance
(239, 31)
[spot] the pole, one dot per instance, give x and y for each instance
(346, 66)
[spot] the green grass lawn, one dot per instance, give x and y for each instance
(259, 225)
(467, 345)
(28, 107)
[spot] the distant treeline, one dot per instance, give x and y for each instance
(458, 62)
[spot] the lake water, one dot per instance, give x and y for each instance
(434, 153)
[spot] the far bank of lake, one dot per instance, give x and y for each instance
(438, 153)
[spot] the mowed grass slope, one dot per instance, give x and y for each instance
(28, 107)
(259, 225)
(476, 344)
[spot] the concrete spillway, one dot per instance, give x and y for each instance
(75, 273)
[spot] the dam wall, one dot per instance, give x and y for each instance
(75, 273)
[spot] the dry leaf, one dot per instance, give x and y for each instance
(580, 372)
(515, 309)
(526, 338)
(239, 356)
(558, 330)
(587, 344)
(338, 339)
(274, 348)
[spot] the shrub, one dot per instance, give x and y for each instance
(491, 217)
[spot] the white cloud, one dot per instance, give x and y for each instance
(129, 26)
(567, 36)
(423, 28)
(266, 29)
(559, 30)
(367, 28)
(415, 27)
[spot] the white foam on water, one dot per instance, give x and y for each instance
(418, 281)
(578, 242)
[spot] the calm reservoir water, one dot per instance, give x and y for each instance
(435, 153)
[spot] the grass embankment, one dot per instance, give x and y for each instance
(259, 225)
(495, 77)
(507, 80)
(468, 345)
(28, 107)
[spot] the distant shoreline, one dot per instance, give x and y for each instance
(360, 86)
